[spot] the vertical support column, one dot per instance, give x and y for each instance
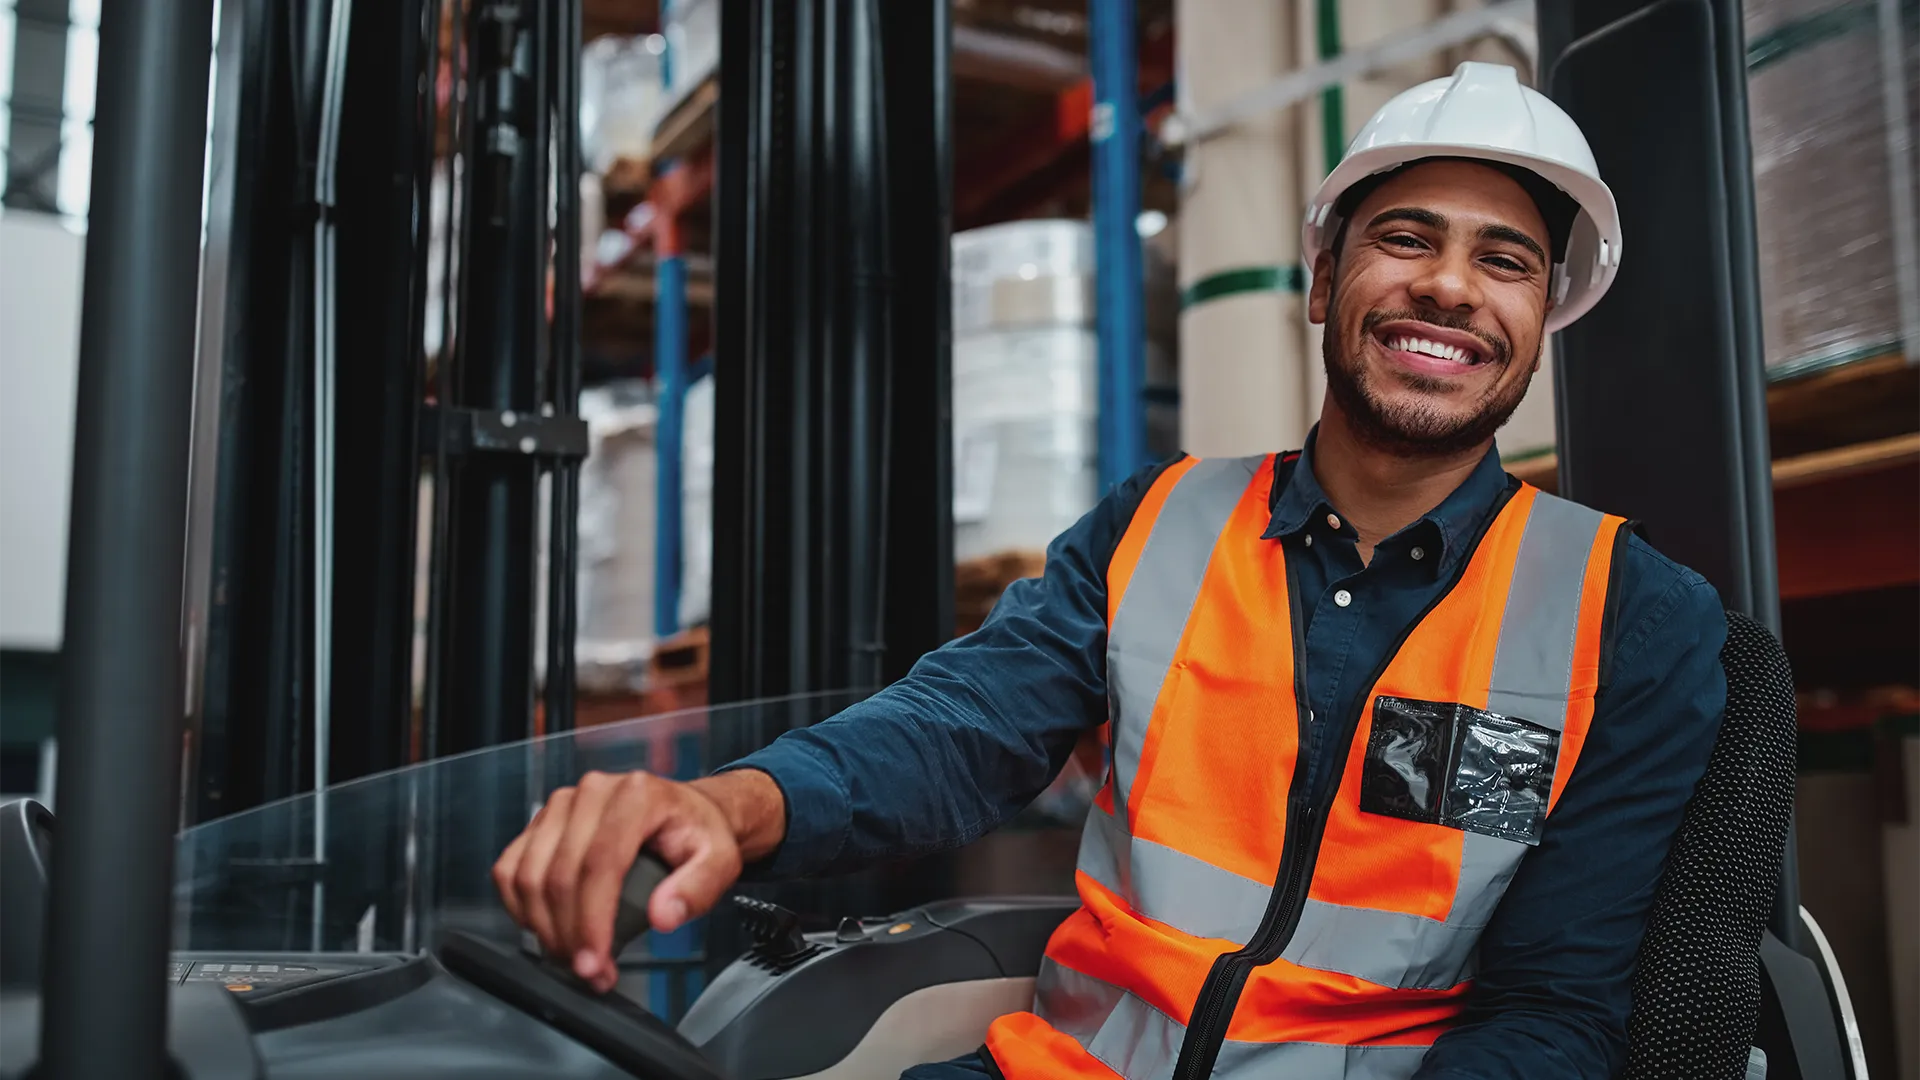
(670, 380)
(1119, 318)
(481, 647)
(1676, 342)
(563, 531)
(120, 696)
(832, 211)
(1243, 329)
(487, 682)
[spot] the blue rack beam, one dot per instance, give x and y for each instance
(670, 375)
(1115, 132)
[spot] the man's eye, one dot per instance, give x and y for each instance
(1402, 240)
(1507, 264)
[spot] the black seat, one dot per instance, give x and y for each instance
(1712, 984)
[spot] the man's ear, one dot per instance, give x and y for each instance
(1320, 296)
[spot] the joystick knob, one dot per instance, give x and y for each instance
(630, 920)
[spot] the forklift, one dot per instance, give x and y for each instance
(301, 786)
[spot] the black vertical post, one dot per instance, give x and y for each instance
(388, 110)
(486, 683)
(915, 565)
(379, 332)
(250, 228)
(563, 551)
(833, 564)
(1676, 343)
(120, 717)
(833, 549)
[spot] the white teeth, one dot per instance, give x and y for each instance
(1431, 348)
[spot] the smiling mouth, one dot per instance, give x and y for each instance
(1465, 356)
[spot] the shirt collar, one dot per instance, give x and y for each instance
(1298, 499)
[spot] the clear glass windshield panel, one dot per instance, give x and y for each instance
(386, 863)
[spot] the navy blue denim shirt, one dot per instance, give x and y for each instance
(984, 724)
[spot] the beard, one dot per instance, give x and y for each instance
(1417, 429)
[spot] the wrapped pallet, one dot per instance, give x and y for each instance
(617, 516)
(696, 501)
(1026, 382)
(1836, 255)
(621, 94)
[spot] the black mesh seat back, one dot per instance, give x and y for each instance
(1696, 987)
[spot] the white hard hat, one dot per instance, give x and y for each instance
(1482, 111)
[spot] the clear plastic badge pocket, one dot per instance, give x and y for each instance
(1449, 764)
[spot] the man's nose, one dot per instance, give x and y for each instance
(1448, 284)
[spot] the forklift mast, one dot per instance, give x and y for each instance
(1660, 89)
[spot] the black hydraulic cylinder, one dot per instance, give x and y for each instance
(378, 332)
(833, 555)
(120, 718)
(563, 548)
(486, 681)
(833, 562)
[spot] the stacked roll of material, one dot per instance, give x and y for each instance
(1026, 382)
(1835, 254)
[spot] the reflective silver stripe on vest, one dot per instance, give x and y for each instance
(1532, 671)
(1533, 663)
(1130, 1036)
(1311, 1061)
(1389, 948)
(1153, 614)
(1140, 1042)
(1195, 897)
(1166, 885)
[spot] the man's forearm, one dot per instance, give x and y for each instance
(963, 742)
(753, 805)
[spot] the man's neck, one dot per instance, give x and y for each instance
(1381, 493)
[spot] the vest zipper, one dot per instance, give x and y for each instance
(1306, 826)
(1299, 850)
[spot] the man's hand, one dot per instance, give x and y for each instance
(561, 878)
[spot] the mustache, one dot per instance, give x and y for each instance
(1498, 351)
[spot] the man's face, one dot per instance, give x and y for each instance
(1434, 308)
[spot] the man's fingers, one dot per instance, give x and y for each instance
(590, 800)
(705, 866)
(632, 816)
(505, 873)
(530, 877)
(506, 869)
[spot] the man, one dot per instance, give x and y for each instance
(1398, 743)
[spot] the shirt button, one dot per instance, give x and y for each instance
(1418, 554)
(1309, 539)
(1333, 521)
(1343, 598)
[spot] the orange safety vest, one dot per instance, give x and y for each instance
(1294, 937)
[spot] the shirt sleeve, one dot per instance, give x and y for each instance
(974, 732)
(1556, 961)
